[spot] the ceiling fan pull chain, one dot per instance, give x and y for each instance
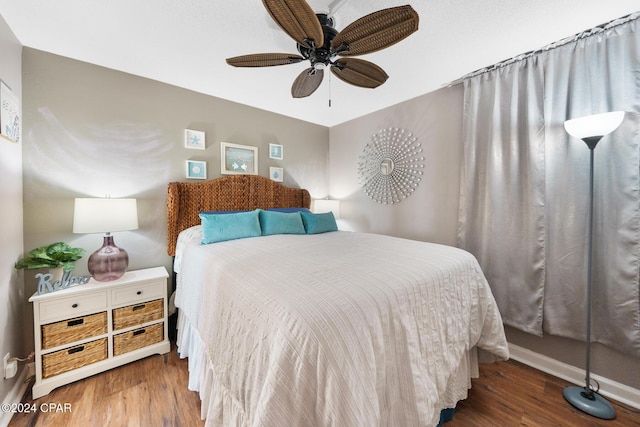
(330, 90)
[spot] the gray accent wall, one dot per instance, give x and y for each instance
(11, 284)
(431, 212)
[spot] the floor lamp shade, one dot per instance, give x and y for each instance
(591, 129)
(594, 125)
(106, 216)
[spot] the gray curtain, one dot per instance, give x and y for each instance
(524, 192)
(501, 215)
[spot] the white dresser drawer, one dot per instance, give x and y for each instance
(138, 293)
(66, 308)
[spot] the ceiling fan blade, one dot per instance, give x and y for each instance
(297, 19)
(306, 83)
(264, 60)
(359, 72)
(376, 31)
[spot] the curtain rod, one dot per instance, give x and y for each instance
(584, 34)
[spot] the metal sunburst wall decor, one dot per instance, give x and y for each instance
(391, 166)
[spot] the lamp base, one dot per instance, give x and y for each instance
(109, 262)
(590, 403)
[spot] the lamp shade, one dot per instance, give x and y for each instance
(594, 125)
(104, 215)
(326, 205)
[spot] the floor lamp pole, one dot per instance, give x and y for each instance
(585, 398)
(592, 146)
(591, 129)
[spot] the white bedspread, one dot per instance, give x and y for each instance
(337, 329)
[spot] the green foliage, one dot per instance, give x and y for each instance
(57, 254)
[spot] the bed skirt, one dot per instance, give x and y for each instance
(218, 408)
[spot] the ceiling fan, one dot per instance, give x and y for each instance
(320, 44)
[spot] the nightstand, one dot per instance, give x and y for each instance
(87, 329)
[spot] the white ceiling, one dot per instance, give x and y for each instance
(185, 43)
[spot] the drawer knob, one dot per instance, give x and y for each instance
(75, 305)
(139, 293)
(139, 332)
(138, 307)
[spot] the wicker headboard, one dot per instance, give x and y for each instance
(185, 200)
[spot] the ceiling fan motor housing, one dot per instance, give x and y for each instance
(320, 57)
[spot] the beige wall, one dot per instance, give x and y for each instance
(11, 284)
(430, 214)
(93, 131)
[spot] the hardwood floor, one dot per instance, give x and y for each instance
(512, 394)
(153, 392)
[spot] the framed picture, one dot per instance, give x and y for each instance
(275, 151)
(276, 174)
(10, 121)
(196, 169)
(238, 159)
(194, 139)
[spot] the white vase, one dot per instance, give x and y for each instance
(56, 274)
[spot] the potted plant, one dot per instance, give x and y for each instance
(57, 255)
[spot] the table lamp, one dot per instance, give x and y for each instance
(106, 216)
(327, 205)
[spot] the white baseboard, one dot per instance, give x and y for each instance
(614, 390)
(14, 397)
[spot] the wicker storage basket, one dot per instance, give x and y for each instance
(72, 330)
(73, 358)
(138, 314)
(138, 338)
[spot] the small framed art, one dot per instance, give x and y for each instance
(276, 174)
(196, 169)
(238, 159)
(275, 151)
(194, 139)
(10, 121)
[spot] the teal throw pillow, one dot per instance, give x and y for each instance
(289, 210)
(274, 222)
(231, 226)
(319, 223)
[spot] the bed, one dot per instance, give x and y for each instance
(334, 328)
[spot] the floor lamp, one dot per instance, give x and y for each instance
(591, 129)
